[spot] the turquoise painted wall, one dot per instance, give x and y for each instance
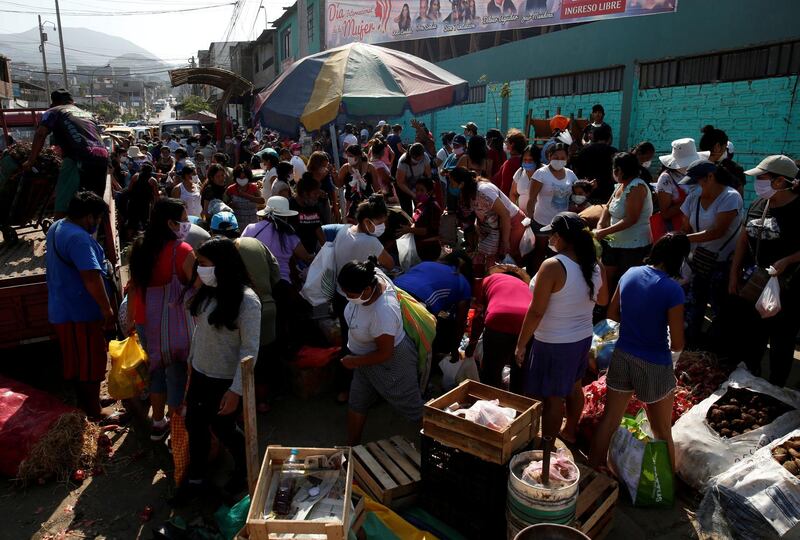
(761, 117)
(316, 40)
(571, 105)
(289, 22)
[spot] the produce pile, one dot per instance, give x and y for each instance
(741, 411)
(788, 455)
(700, 374)
(47, 164)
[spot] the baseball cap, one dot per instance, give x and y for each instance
(777, 164)
(382, 123)
(460, 140)
(566, 224)
(224, 221)
(472, 126)
(296, 146)
(698, 169)
(60, 97)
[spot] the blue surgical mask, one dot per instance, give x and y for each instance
(454, 191)
(529, 166)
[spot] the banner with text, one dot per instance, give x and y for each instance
(377, 21)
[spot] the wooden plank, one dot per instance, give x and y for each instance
(466, 444)
(408, 468)
(407, 449)
(394, 471)
(373, 467)
(588, 496)
(604, 508)
(250, 425)
(367, 482)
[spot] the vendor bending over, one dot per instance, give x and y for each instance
(383, 356)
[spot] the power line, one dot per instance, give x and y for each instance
(118, 13)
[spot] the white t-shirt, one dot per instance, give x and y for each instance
(192, 200)
(354, 246)
(299, 167)
(381, 317)
(668, 183)
(347, 140)
(727, 201)
(488, 193)
(269, 178)
(523, 183)
(554, 195)
(442, 154)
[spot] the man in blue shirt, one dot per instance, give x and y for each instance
(445, 289)
(77, 303)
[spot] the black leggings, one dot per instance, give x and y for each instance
(344, 376)
(202, 406)
(498, 352)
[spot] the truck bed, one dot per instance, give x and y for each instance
(23, 262)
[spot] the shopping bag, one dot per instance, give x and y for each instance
(420, 325)
(769, 303)
(528, 240)
(642, 463)
(407, 252)
(320, 285)
(129, 371)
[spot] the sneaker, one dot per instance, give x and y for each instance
(159, 430)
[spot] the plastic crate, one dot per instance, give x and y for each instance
(464, 491)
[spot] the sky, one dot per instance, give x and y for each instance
(173, 37)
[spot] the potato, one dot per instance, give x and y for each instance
(780, 457)
(725, 432)
(731, 411)
(748, 419)
(737, 424)
(792, 467)
(735, 433)
(723, 424)
(794, 453)
(716, 414)
(792, 443)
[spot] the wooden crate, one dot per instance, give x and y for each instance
(481, 441)
(597, 500)
(259, 528)
(388, 470)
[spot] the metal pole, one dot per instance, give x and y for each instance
(44, 56)
(61, 44)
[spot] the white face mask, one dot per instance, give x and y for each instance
(764, 188)
(379, 229)
(359, 300)
(647, 163)
(351, 160)
(183, 229)
(558, 164)
(242, 181)
(579, 199)
(195, 179)
(207, 275)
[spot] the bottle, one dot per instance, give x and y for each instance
(293, 463)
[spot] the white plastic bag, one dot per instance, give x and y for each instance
(528, 240)
(468, 369)
(769, 303)
(449, 371)
(701, 453)
(756, 498)
(320, 285)
(489, 413)
(407, 251)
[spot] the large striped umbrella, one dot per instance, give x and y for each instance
(358, 80)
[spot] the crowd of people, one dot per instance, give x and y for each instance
(221, 239)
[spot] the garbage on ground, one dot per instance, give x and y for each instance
(486, 413)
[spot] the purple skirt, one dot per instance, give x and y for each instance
(552, 369)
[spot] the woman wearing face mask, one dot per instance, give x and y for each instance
(308, 206)
(382, 357)
(669, 193)
(647, 304)
(359, 242)
(714, 147)
(644, 152)
(711, 221)
(559, 321)
(411, 166)
(769, 238)
(160, 264)
(498, 220)
(357, 176)
(188, 190)
(515, 144)
(625, 223)
(228, 315)
(523, 176)
(425, 222)
(244, 196)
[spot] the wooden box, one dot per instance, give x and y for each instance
(597, 500)
(260, 528)
(388, 471)
(481, 441)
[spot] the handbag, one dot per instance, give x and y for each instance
(753, 287)
(703, 261)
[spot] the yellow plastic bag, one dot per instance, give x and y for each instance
(129, 371)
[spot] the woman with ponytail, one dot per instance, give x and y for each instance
(559, 321)
(383, 358)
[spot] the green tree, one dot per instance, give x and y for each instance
(194, 104)
(105, 110)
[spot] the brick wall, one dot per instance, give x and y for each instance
(570, 105)
(761, 117)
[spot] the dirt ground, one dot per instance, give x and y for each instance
(110, 506)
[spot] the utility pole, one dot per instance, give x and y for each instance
(42, 38)
(61, 43)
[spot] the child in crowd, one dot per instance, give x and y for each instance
(581, 190)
